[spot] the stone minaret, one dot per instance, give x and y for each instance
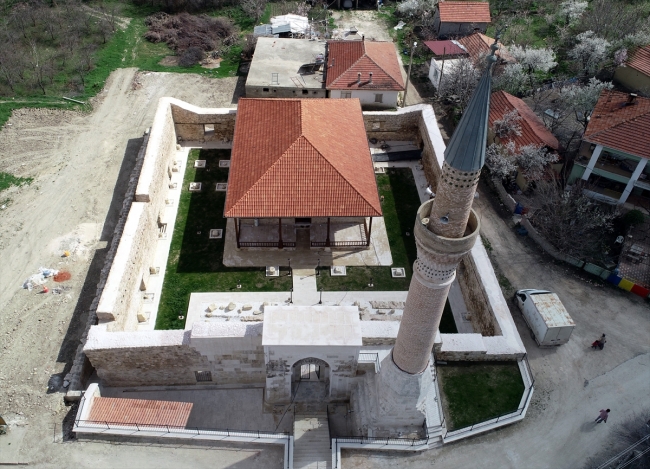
(445, 230)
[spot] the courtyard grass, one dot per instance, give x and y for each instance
(196, 262)
(475, 392)
(400, 205)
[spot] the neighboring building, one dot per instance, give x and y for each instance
(533, 130)
(478, 45)
(635, 74)
(287, 68)
(475, 47)
(367, 70)
(461, 18)
(615, 150)
(300, 164)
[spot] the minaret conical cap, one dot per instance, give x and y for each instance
(466, 149)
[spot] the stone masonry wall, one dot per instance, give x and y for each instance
(190, 121)
(482, 318)
(121, 299)
(81, 368)
(150, 358)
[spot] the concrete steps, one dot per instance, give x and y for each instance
(311, 444)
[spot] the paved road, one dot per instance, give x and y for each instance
(572, 381)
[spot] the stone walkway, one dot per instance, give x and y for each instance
(311, 445)
(305, 291)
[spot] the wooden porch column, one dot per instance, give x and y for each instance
(327, 239)
(237, 231)
(368, 230)
(280, 244)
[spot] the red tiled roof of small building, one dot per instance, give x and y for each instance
(346, 59)
(533, 131)
(478, 45)
(301, 158)
(464, 12)
(640, 60)
(140, 411)
(620, 124)
(443, 48)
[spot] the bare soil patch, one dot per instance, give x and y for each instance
(80, 164)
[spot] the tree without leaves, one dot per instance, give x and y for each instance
(254, 8)
(458, 81)
(572, 222)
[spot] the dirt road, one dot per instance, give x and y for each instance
(80, 164)
(573, 382)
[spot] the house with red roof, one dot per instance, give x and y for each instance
(615, 150)
(635, 73)
(367, 70)
(301, 165)
(459, 18)
(532, 130)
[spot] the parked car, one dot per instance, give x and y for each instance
(546, 316)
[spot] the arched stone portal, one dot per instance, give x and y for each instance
(310, 380)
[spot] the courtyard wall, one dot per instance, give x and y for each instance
(231, 352)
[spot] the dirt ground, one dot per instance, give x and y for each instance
(572, 382)
(80, 163)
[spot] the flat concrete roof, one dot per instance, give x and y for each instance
(285, 57)
(312, 325)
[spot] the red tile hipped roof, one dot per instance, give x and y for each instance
(640, 60)
(445, 48)
(620, 125)
(140, 411)
(347, 59)
(533, 131)
(464, 12)
(301, 158)
(478, 45)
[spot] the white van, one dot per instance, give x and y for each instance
(546, 316)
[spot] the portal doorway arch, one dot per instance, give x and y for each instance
(310, 379)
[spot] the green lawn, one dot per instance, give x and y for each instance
(196, 262)
(400, 205)
(475, 392)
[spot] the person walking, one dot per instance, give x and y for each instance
(602, 417)
(602, 341)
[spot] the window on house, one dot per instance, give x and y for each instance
(266, 90)
(203, 376)
(208, 129)
(346, 94)
(305, 91)
(379, 98)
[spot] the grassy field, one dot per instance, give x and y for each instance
(128, 48)
(475, 392)
(400, 205)
(7, 180)
(196, 262)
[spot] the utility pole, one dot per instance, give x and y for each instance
(408, 75)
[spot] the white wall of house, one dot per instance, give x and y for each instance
(369, 98)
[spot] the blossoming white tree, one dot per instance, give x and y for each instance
(590, 51)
